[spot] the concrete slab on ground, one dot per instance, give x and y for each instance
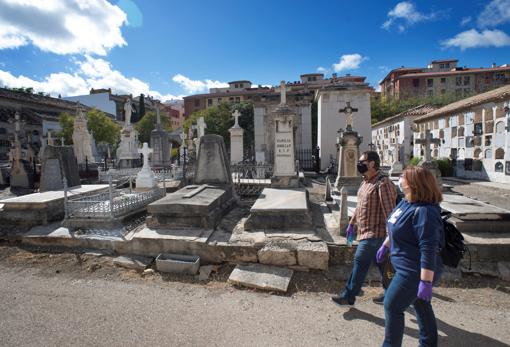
(281, 200)
(133, 262)
(470, 209)
(195, 235)
(264, 277)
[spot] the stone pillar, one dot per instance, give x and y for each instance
(348, 176)
(236, 144)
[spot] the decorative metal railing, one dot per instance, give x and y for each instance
(250, 179)
(109, 205)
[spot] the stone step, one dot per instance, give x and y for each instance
(304, 253)
(260, 276)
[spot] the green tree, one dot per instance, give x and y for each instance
(147, 124)
(219, 119)
(103, 127)
(141, 109)
(66, 122)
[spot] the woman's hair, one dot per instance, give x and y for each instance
(423, 185)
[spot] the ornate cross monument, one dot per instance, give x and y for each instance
(21, 178)
(236, 140)
(159, 143)
(145, 178)
(348, 142)
(284, 173)
(427, 162)
(348, 110)
(396, 165)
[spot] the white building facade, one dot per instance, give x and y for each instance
(474, 133)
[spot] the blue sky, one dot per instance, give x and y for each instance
(173, 48)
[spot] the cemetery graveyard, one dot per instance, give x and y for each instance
(210, 206)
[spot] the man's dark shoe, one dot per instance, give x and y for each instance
(340, 301)
(378, 300)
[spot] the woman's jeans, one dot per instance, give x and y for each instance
(365, 255)
(401, 294)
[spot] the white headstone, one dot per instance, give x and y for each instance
(236, 140)
(284, 164)
(145, 178)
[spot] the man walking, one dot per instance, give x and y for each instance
(376, 200)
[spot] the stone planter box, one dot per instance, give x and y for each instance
(178, 263)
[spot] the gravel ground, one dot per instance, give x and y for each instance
(82, 300)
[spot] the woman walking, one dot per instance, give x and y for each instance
(415, 234)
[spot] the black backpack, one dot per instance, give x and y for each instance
(453, 248)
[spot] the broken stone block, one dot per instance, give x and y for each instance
(314, 255)
(260, 276)
(138, 263)
(206, 270)
(504, 270)
(280, 253)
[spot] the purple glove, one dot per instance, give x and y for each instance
(425, 291)
(379, 257)
(349, 232)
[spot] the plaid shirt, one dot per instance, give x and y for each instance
(376, 200)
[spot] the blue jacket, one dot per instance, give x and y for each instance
(416, 235)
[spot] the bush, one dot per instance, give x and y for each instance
(414, 161)
(445, 166)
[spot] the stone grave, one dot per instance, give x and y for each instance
(203, 204)
(349, 141)
(236, 140)
(145, 178)
(160, 144)
(127, 153)
(58, 162)
(396, 167)
(427, 161)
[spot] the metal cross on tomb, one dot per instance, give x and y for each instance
(236, 115)
(348, 110)
(426, 142)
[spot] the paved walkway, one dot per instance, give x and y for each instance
(70, 302)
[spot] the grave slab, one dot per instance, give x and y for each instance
(41, 208)
(469, 209)
(280, 210)
(262, 277)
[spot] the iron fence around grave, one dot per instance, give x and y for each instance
(250, 179)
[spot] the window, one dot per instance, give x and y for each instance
(458, 81)
(443, 80)
(430, 82)
(416, 82)
(447, 65)
(209, 102)
(466, 80)
(441, 66)
(236, 85)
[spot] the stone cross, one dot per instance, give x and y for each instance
(348, 110)
(145, 150)
(201, 126)
(50, 139)
(236, 115)
(426, 142)
(283, 93)
(158, 117)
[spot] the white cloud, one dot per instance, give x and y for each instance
(474, 38)
(405, 14)
(322, 69)
(495, 13)
(196, 86)
(465, 21)
(62, 26)
(349, 62)
(90, 73)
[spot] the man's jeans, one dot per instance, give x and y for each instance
(401, 294)
(365, 255)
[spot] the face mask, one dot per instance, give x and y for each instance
(362, 168)
(399, 184)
